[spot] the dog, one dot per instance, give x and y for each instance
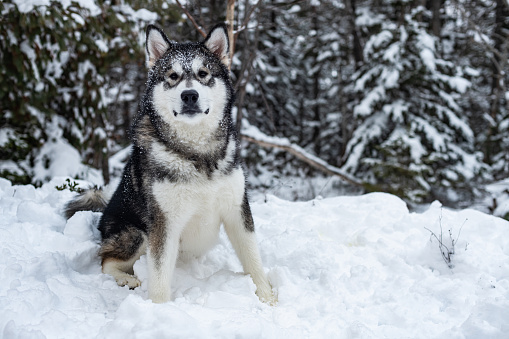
(184, 178)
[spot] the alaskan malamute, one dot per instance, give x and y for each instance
(184, 176)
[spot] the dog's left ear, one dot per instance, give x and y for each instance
(217, 42)
(156, 45)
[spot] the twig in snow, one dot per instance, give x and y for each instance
(445, 251)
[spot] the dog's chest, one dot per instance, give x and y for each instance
(197, 208)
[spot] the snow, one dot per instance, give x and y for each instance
(5, 135)
(376, 41)
(438, 140)
(392, 52)
(343, 267)
(58, 158)
(294, 9)
(397, 109)
(102, 46)
(428, 59)
(30, 53)
(145, 15)
(85, 67)
(78, 19)
(371, 128)
(25, 6)
(427, 50)
(499, 198)
(417, 151)
(55, 68)
(364, 108)
(454, 120)
(254, 132)
(365, 17)
(456, 82)
(390, 77)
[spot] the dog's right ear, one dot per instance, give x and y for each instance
(157, 43)
(217, 42)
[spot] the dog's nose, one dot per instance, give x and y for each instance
(189, 97)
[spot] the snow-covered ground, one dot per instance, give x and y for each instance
(345, 267)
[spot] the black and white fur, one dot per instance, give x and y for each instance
(184, 177)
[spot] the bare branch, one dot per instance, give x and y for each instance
(444, 250)
(190, 17)
(459, 232)
(446, 255)
(246, 20)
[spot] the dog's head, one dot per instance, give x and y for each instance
(189, 82)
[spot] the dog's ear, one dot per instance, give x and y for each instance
(217, 42)
(157, 43)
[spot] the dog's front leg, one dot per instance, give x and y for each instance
(239, 227)
(162, 257)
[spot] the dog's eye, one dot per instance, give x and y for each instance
(174, 76)
(203, 74)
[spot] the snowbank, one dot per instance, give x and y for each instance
(345, 267)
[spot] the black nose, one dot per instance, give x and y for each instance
(189, 97)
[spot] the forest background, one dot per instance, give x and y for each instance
(406, 97)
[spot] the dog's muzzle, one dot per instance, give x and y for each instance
(190, 103)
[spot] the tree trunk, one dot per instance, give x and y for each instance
(499, 63)
(436, 22)
(230, 11)
(346, 119)
(357, 46)
(316, 94)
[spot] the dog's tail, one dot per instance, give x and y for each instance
(92, 199)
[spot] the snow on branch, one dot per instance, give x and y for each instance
(254, 135)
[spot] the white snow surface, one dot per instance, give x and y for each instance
(343, 267)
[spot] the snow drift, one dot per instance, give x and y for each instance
(345, 267)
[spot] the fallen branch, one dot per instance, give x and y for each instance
(253, 135)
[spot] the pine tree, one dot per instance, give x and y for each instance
(294, 87)
(411, 138)
(269, 79)
(69, 80)
(498, 139)
(478, 39)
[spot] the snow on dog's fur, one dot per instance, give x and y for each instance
(184, 177)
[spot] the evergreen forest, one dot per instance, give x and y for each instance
(399, 96)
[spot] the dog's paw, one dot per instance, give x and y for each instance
(128, 280)
(270, 300)
(159, 297)
(267, 297)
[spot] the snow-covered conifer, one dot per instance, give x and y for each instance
(411, 137)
